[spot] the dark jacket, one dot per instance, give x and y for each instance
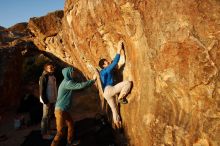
(43, 87)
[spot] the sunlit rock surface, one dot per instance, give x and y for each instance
(172, 57)
(48, 37)
(48, 33)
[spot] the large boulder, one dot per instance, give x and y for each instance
(15, 47)
(11, 48)
(48, 37)
(171, 56)
(11, 66)
(47, 33)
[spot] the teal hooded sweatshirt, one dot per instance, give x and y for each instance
(64, 98)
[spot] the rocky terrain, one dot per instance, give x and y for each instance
(172, 50)
(22, 63)
(14, 44)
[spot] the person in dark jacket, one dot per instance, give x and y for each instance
(64, 102)
(48, 95)
(109, 89)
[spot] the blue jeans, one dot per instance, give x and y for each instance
(46, 119)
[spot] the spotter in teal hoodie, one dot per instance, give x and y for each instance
(64, 99)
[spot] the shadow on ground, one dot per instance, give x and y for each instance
(91, 132)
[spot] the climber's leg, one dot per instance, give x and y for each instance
(109, 96)
(123, 88)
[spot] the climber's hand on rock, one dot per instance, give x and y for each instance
(120, 43)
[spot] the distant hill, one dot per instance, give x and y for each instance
(15, 32)
(20, 27)
(2, 28)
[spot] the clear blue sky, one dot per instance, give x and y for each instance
(15, 11)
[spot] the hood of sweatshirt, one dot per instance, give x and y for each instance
(67, 73)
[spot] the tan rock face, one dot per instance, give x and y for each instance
(47, 30)
(48, 36)
(172, 50)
